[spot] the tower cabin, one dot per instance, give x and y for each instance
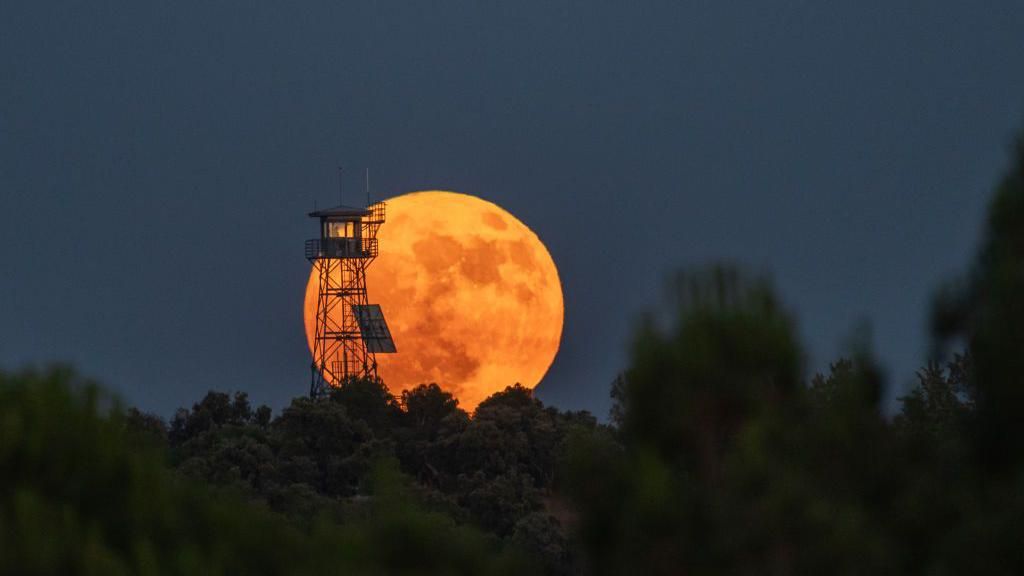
(341, 234)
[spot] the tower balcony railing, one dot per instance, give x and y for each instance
(376, 213)
(341, 248)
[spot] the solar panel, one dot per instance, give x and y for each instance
(374, 329)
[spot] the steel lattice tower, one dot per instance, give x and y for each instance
(349, 331)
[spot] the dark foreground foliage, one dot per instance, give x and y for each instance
(84, 489)
(725, 462)
(722, 458)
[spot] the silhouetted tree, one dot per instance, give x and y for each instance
(322, 446)
(987, 312)
(729, 352)
(426, 407)
(727, 461)
(369, 400)
(426, 443)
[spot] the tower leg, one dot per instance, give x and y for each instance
(339, 351)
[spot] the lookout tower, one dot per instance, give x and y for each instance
(349, 331)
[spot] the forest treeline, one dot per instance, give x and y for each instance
(719, 457)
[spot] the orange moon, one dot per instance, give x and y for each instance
(470, 293)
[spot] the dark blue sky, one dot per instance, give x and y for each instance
(157, 161)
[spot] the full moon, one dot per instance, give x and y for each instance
(471, 295)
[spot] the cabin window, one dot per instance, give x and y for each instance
(341, 229)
